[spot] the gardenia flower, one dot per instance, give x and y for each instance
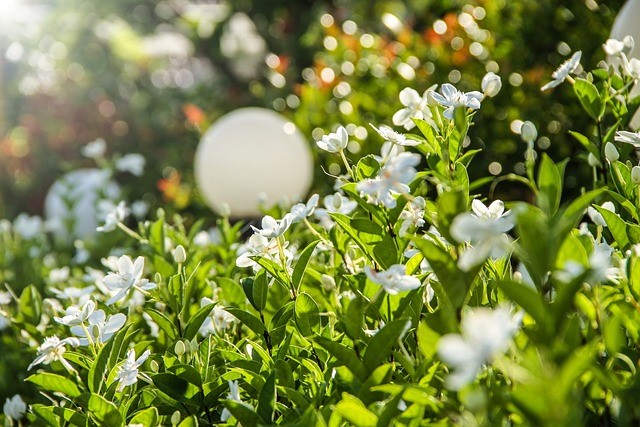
(217, 321)
(485, 334)
(412, 215)
(491, 84)
(14, 408)
(484, 230)
(94, 149)
(453, 98)
(613, 47)
(632, 138)
(391, 135)
(394, 279)
(416, 107)
(631, 67)
(128, 371)
(597, 217)
(129, 276)
(77, 316)
(258, 246)
(388, 151)
(132, 163)
(334, 142)
(600, 266)
(392, 179)
(334, 203)
(52, 349)
(234, 394)
(118, 214)
(272, 227)
(100, 329)
(27, 226)
(611, 152)
(301, 211)
(563, 71)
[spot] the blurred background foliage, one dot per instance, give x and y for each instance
(150, 76)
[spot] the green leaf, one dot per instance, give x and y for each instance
(165, 324)
(247, 287)
(232, 291)
(146, 417)
(589, 97)
(172, 385)
(104, 412)
(586, 143)
(301, 265)
(156, 236)
(450, 204)
(267, 399)
(107, 358)
(248, 319)
(456, 283)
(427, 340)
(191, 421)
(354, 318)
(30, 304)
(260, 290)
(527, 298)
(307, 314)
(345, 356)
(367, 167)
(371, 237)
(379, 348)
(55, 383)
(243, 413)
(354, 411)
(430, 136)
(549, 184)
(196, 320)
(616, 226)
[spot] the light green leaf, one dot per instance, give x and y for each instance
(301, 265)
(55, 383)
(307, 314)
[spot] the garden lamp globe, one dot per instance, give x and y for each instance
(252, 157)
(627, 23)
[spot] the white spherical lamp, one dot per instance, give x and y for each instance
(72, 203)
(249, 157)
(627, 24)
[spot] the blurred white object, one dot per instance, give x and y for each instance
(627, 24)
(71, 205)
(252, 156)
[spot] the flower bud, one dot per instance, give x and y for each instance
(592, 160)
(175, 418)
(635, 174)
(179, 254)
(611, 153)
(491, 84)
(528, 132)
(180, 348)
(328, 283)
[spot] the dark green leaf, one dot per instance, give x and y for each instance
(379, 348)
(267, 399)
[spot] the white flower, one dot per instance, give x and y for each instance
(58, 275)
(334, 142)
(5, 322)
(14, 408)
(600, 266)
(392, 179)
(611, 152)
(5, 298)
(257, 246)
(272, 227)
(118, 214)
(412, 215)
(234, 394)
(129, 275)
(613, 47)
(301, 211)
(334, 203)
(632, 138)
(394, 279)
(494, 211)
(81, 295)
(484, 230)
(128, 371)
(389, 150)
(100, 329)
(27, 226)
(485, 334)
(132, 163)
(597, 217)
(139, 208)
(218, 320)
(635, 174)
(77, 316)
(416, 107)
(631, 67)
(563, 71)
(453, 98)
(391, 135)
(52, 349)
(94, 149)
(491, 84)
